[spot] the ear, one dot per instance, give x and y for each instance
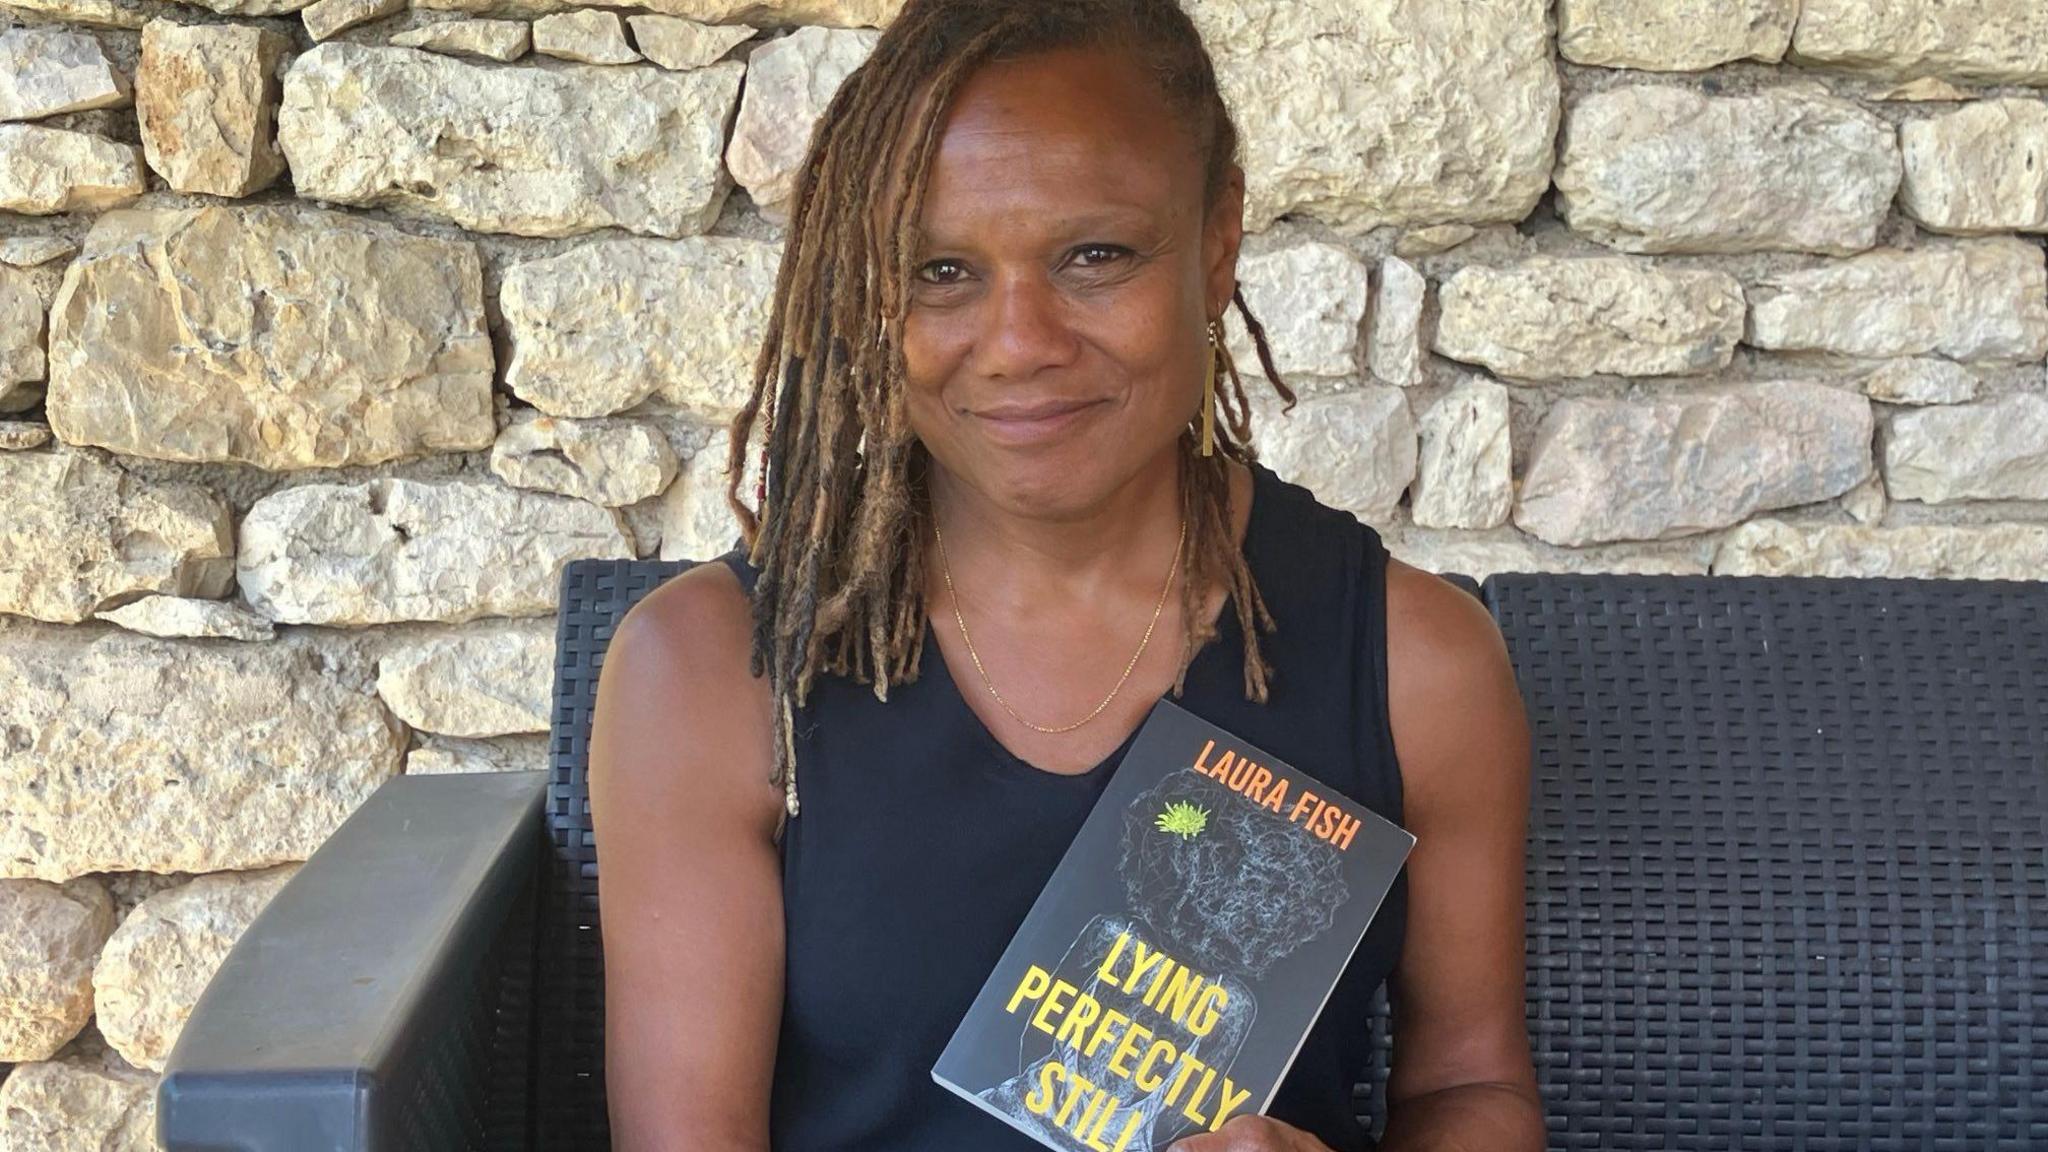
(1222, 234)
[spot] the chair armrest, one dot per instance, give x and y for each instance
(381, 1000)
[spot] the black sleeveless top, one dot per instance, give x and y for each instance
(922, 842)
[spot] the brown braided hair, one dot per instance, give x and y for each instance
(841, 492)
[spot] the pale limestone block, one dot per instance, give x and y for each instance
(1311, 298)
(1551, 317)
(46, 71)
(1396, 348)
(487, 678)
(78, 533)
(586, 35)
(327, 18)
(163, 955)
(1649, 469)
(1674, 35)
(24, 317)
(280, 336)
(674, 42)
(30, 251)
(1920, 380)
(529, 151)
(606, 325)
(1927, 551)
(1980, 299)
(207, 103)
(1648, 168)
(1372, 112)
(1989, 41)
(778, 13)
(1432, 239)
(178, 617)
(1980, 168)
(613, 462)
(22, 435)
(139, 754)
(77, 1106)
(790, 81)
(696, 523)
(50, 934)
(46, 170)
(485, 39)
(1354, 449)
(445, 755)
(1483, 554)
(1466, 478)
(1989, 450)
(394, 549)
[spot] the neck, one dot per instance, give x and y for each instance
(1114, 548)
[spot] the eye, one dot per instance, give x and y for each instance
(941, 271)
(1099, 255)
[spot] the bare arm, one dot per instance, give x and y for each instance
(1462, 1077)
(689, 874)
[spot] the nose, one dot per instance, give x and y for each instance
(1025, 331)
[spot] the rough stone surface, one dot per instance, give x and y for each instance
(1466, 479)
(77, 1106)
(611, 462)
(394, 549)
(24, 313)
(1659, 169)
(1312, 300)
(1432, 239)
(77, 533)
(1674, 35)
(1990, 41)
(46, 170)
(276, 336)
(1981, 168)
(1983, 299)
(1372, 112)
(789, 83)
(165, 952)
(1551, 317)
(486, 148)
(605, 325)
(49, 936)
(1991, 450)
(1602, 470)
(207, 101)
(674, 42)
(22, 435)
(1354, 449)
(774, 13)
(1482, 554)
(246, 754)
(30, 251)
(326, 19)
(46, 71)
(695, 522)
(444, 755)
(1920, 380)
(486, 39)
(1960, 551)
(489, 678)
(177, 617)
(586, 35)
(1396, 348)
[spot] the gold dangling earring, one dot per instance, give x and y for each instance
(1209, 396)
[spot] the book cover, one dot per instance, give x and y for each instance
(1167, 974)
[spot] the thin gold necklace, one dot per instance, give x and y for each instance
(946, 568)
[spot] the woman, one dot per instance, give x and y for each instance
(988, 402)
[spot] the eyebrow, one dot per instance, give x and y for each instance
(1070, 227)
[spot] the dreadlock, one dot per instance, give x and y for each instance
(835, 531)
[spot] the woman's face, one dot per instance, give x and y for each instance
(1064, 274)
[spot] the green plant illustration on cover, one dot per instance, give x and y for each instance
(1183, 820)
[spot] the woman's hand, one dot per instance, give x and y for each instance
(1250, 1132)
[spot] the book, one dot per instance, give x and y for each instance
(1170, 969)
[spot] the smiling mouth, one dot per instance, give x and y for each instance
(1021, 423)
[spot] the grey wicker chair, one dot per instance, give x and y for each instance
(1787, 889)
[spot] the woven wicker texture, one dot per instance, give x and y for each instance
(1788, 860)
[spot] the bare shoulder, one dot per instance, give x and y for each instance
(1452, 698)
(679, 714)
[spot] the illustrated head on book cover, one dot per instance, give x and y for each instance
(1152, 1006)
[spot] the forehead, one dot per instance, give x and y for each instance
(1031, 141)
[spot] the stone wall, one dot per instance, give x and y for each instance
(330, 331)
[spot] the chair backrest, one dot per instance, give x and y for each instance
(1788, 859)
